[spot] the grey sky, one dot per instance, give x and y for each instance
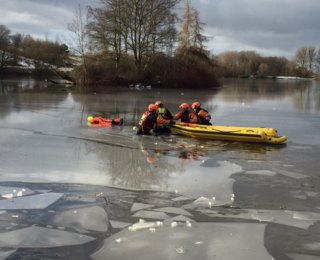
(270, 27)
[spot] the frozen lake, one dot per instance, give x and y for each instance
(73, 191)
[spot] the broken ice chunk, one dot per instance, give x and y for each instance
(41, 238)
(150, 215)
(140, 206)
(174, 210)
(91, 218)
(39, 201)
(13, 192)
(119, 224)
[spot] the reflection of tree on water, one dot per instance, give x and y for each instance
(13, 99)
(196, 149)
(304, 93)
(139, 169)
(131, 104)
(308, 98)
(21, 84)
(141, 165)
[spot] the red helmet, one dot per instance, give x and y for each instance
(158, 103)
(196, 105)
(184, 106)
(152, 107)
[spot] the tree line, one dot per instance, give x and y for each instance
(306, 63)
(127, 41)
(17, 48)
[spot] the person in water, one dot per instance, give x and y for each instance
(163, 112)
(164, 118)
(148, 121)
(203, 115)
(186, 116)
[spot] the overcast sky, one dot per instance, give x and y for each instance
(270, 27)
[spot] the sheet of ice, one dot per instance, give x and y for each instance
(301, 196)
(180, 218)
(13, 192)
(173, 210)
(291, 174)
(83, 219)
(193, 180)
(181, 198)
(119, 224)
(140, 206)
(150, 215)
(39, 201)
(314, 246)
(306, 215)
(312, 193)
(38, 237)
(5, 253)
(290, 218)
(262, 172)
(145, 225)
(201, 241)
(303, 257)
(204, 202)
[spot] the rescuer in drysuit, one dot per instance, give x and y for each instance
(202, 114)
(164, 118)
(186, 116)
(148, 121)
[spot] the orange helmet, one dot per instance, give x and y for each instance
(152, 107)
(184, 106)
(196, 105)
(158, 103)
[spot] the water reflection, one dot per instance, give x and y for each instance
(305, 94)
(142, 168)
(172, 163)
(29, 102)
(120, 158)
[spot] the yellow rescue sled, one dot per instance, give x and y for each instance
(229, 133)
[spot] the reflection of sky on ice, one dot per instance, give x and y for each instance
(200, 241)
(5, 253)
(150, 215)
(193, 180)
(38, 201)
(290, 218)
(37, 237)
(82, 219)
(303, 257)
(174, 210)
(140, 206)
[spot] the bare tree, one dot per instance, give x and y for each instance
(185, 38)
(77, 26)
(305, 57)
(16, 41)
(106, 28)
(317, 60)
(191, 34)
(301, 57)
(311, 57)
(137, 27)
(4, 46)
